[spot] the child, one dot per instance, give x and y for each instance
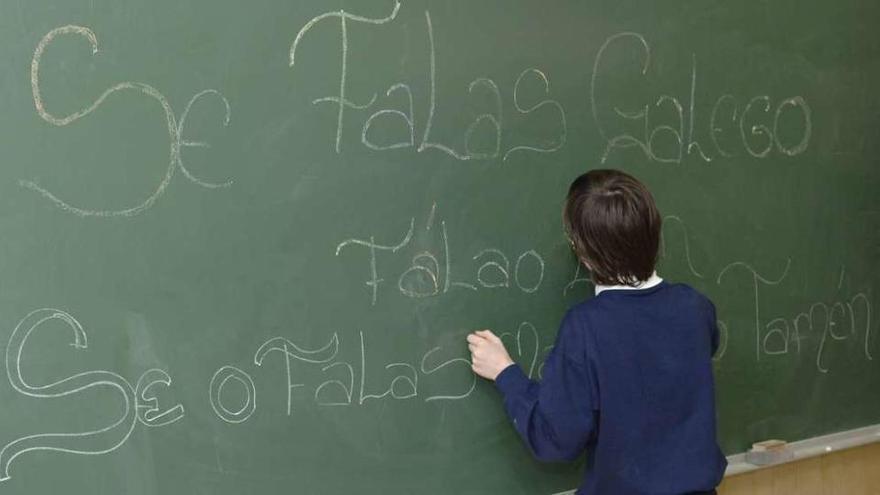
(629, 380)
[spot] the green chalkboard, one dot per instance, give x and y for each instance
(241, 243)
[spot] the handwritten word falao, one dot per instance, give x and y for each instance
(426, 276)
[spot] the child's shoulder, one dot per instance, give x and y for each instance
(675, 293)
(687, 295)
(686, 291)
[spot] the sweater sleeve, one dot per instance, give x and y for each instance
(713, 327)
(556, 418)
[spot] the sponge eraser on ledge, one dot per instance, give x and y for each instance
(769, 452)
(769, 445)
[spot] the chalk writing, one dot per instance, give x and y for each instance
(374, 281)
(138, 404)
(723, 339)
(525, 330)
(676, 220)
(838, 320)
(577, 279)
(350, 383)
(486, 121)
(428, 276)
(149, 411)
(682, 133)
(291, 350)
(408, 118)
(545, 81)
(175, 130)
(218, 381)
(340, 100)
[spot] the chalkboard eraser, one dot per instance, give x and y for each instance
(769, 452)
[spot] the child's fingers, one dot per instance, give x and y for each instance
(478, 350)
(478, 369)
(488, 335)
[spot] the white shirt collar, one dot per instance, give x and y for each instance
(652, 281)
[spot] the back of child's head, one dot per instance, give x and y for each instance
(614, 226)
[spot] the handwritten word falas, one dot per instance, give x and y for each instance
(754, 122)
(342, 383)
(493, 122)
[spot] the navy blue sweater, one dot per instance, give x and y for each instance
(629, 382)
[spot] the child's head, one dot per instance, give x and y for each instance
(614, 226)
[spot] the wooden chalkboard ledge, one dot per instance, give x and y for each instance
(803, 449)
(812, 447)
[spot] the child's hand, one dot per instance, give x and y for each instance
(488, 355)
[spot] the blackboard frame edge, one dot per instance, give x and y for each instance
(803, 449)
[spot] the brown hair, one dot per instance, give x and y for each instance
(614, 226)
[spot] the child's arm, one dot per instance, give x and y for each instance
(556, 417)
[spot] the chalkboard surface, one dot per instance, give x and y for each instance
(241, 243)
